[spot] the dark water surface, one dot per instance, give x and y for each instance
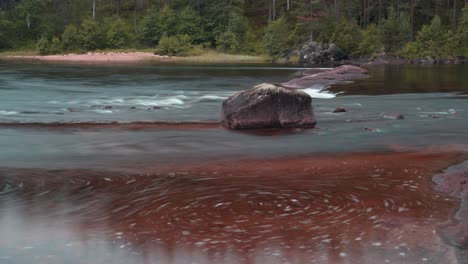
(355, 190)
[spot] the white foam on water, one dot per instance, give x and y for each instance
(102, 111)
(3, 112)
(212, 98)
(319, 93)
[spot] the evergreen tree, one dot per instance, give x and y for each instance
(275, 39)
(347, 36)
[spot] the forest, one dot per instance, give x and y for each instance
(408, 28)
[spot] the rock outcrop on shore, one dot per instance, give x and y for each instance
(454, 182)
(329, 77)
(268, 106)
(317, 53)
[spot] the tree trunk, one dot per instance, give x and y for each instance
(94, 9)
(454, 15)
(135, 16)
(274, 9)
(412, 20)
(380, 12)
(336, 10)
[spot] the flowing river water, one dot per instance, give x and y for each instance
(128, 164)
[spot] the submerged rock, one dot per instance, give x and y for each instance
(337, 75)
(340, 110)
(268, 106)
(394, 116)
(319, 53)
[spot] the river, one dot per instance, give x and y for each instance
(128, 164)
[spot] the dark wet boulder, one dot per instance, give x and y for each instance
(340, 110)
(317, 53)
(337, 75)
(268, 106)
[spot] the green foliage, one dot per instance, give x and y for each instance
(43, 46)
(395, 32)
(31, 15)
(70, 38)
(90, 35)
(55, 46)
(430, 41)
(117, 33)
(5, 31)
(347, 36)
(234, 26)
(328, 28)
(189, 23)
(228, 42)
(275, 39)
(157, 24)
(370, 42)
(462, 34)
(174, 45)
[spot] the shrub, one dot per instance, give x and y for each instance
(189, 23)
(117, 33)
(370, 42)
(276, 39)
(347, 36)
(228, 41)
(395, 33)
(462, 34)
(43, 46)
(55, 46)
(90, 35)
(70, 39)
(174, 45)
(158, 24)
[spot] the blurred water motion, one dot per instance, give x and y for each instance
(362, 208)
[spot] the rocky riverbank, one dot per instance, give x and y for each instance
(317, 53)
(454, 182)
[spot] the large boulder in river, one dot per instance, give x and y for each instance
(317, 53)
(268, 106)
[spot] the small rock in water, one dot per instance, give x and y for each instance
(107, 107)
(369, 129)
(73, 110)
(394, 116)
(133, 108)
(156, 107)
(340, 110)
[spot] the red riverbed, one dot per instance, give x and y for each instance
(349, 208)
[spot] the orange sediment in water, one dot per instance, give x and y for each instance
(350, 208)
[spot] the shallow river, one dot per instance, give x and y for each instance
(83, 180)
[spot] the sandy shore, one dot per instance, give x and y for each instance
(96, 57)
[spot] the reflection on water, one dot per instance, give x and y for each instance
(345, 209)
(397, 79)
